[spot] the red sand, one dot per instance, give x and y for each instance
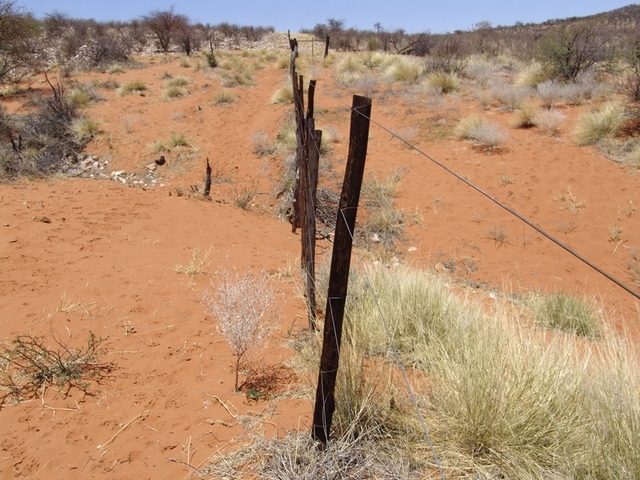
(106, 262)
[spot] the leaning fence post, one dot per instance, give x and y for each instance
(340, 262)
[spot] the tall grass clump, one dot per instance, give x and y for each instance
(599, 123)
(499, 399)
(567, 313)
(445, 82)
(481, 132)
(136, 86)
(510, 97)
(405, 69)
(283, 95)
(85, 128)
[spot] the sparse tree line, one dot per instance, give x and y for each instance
(29, 45)
(566, 48)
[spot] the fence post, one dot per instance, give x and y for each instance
(340, 262)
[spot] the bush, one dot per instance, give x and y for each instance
(549, 120)
(571, 49)
(245, 309)
(18, 33)
(449, 55)
(42, 142)
(509, 96)
(30, 365)
(598, 124)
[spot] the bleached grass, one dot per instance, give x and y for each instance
(445, 82)
(405, 69)
(85, 128)
(549, 121)
(481, 131)
(135, 86)
(284, 95)
(600, 123)
(501, 398)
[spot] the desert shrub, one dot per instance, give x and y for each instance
(550, 92)
(509, 96)
(481, 72)
(43, 141)
(286, 140)
(599, 123)
(136, 86)
(549, 120)
(449, 55)
(30, 364)
(245, 308)
(567, 313)
(569, 50)
(445, 82)
(18, 34)
(261, 145)
(165, 25)
(481, 131)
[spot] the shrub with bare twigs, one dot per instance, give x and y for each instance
(244, 304)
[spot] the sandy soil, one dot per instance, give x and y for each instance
(86, 255)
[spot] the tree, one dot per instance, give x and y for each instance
(569, 50)
(164, 24)
(18, 32)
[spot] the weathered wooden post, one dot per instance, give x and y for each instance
(340, 262)
(207, 180)
(326, 47)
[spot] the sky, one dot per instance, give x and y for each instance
(411, 15)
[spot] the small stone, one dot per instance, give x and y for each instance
(375, 238)
(412, 249)
(440, 268)
(151, 166)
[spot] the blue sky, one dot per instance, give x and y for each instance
(411, 15)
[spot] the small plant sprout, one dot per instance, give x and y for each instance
(244, 305)
(615, 233)
(498, 234)
(196, 266)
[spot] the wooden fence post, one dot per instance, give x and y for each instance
(340, 262)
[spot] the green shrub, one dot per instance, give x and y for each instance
(567, 313)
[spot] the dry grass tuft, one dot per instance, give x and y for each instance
(481, 132)
(600, 123)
